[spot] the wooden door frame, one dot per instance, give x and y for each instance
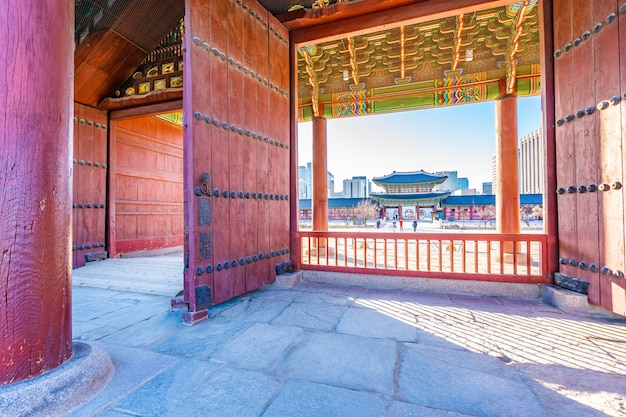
(422, 12)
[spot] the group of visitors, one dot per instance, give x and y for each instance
(400, 222)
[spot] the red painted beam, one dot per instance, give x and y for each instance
(418, 12)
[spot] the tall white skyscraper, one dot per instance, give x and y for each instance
(532, 166)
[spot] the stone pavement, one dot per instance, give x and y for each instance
(323, 350)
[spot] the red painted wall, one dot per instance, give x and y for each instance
(148, 184)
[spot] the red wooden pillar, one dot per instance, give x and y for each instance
(320, 176)
(507, 177)
(35, 187)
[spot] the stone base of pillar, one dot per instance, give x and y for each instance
(63, 389)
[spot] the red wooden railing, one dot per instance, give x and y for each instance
(469, 256)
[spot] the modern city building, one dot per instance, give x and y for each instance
(451, 183)
(305, 181)
(357, 187)
(531, 164)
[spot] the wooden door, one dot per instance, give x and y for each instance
(590, 129)
(236, 150)
(89, 185)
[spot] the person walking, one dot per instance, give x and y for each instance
(415, 225)
(401, 228)
(394, 225)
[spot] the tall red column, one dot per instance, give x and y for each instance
(507, 177)
(35, 186)
(319, 202)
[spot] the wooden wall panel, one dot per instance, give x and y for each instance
(148, 184)
(89, 182)
(608, 130)
(564, 140)
(233, 134)
(585, 143)
(619, 298)
(589, 146)
(236, 105)
(252, 87)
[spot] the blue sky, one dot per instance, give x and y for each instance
(457, 138)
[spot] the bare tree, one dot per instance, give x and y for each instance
(485, 213)
(344, 212)
(366, 211)
(526, 213)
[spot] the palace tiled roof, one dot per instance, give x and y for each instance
(413, 177)
(488, 200)
(336, 202)
(410, 196)
(450, 201)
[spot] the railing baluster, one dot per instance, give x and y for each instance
(464, 255)
(440, 255)
(385, 253)
(489, 257)
(417, 254)
(451, 255)
(395, 253)
(406, 254)
(364, 252)
(475, 256)
(428, 245)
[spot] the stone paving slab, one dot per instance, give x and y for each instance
(259, 347)
(200, 342)
(306, 399)
(316, 316)
(477, 385)
(323, 350)
(353, 362)
(133, 367)
(400, 409)
(231, 393)
(163, 394)
(372, 323)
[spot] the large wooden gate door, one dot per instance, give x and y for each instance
(590, 49)
(236, 150)
(89, 185)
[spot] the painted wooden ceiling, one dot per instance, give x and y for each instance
(459, 59)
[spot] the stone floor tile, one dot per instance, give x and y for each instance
(464, 382)
(164, 394)
(378, 323)
(317, 316)
(306, 399)
(259, 347)
(202, 340)
(232, 393)
(353, 362)
(400, 409)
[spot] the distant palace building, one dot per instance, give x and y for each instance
(407, 192)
